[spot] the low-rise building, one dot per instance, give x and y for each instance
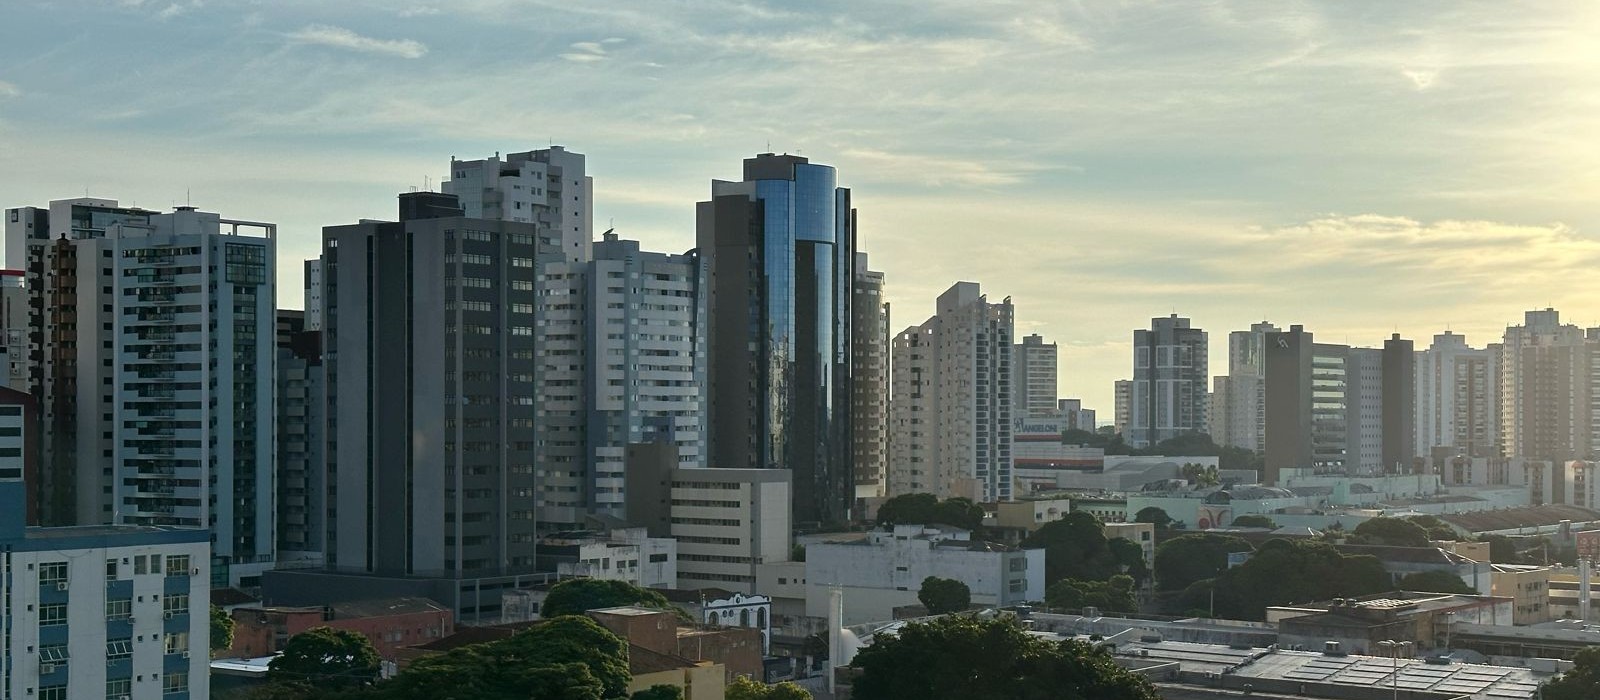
(1027, 514)
(885, 570)
(1142, 534)
(1359, 624)
(1528, 587)
(726, 521)
(389, 623)
(713, 606)
(623, 554)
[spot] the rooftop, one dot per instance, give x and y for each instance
(467, 636)
(380, 607)
(630, 611)
(1516, 518)
(642, 661)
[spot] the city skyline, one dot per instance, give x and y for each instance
(1210, 143)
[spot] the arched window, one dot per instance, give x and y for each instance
(761, 618)
(744, 617)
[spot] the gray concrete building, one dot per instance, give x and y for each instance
(1287, 401)
(302, 437)
(1171, 377)
(778, 249)
(1545, 390)
(431, 357)
(546, 187)
(1034, 366)
(1399, 406)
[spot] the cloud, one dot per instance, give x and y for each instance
(589, 51)
(1421, 78)
(419, 11)
(882, 165)
(341, 38)
(9, 90)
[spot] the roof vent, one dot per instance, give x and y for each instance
(1332, 649)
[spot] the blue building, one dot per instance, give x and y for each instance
(778, 248)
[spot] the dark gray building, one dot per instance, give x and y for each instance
(1171, 374)
(430, 362)
(301, 403)
(1288, 398)
(1399, 405)
(778, 249)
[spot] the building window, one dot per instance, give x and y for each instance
(119, 609)
(52, 615)
(176, 604)
(53, 692)
(175, 682)
(53, 654)
(118, 649)
(119, 688)
(177, 642)
(51, 573)
(111, 569)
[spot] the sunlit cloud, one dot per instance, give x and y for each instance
(341, 38)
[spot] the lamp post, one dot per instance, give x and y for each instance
(1394, 657)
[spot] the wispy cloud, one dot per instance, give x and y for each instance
(341, 38)
(419, 11)
(9, 90)
(590, 51)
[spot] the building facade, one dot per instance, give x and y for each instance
(1545, 390)
(950, 417)
(1122, 409)
(1171, 377)
(1238, 414)
(302, 437)
(545, 187)
(430, 367)
(1034, 364)
(869, 381)
(1287, 400)
(778, 249)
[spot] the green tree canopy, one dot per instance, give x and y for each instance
(1502, 550)
(965, 657)
(926, 509)
(1130, 556)
(326, 657)
(1394, 532)
(1254, 520)
(1203, 476)
(221, 629)
(944, 595)
(570, 656)
(579, 595)
(1582, 682)
(659, 692)
(1115, 595)
(1074, 547)
(1183, 560)
(1292, 571)
(1434, 582)
(1437, 529)
(744, 688)
(1154, 516)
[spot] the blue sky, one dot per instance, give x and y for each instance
(1358, 167)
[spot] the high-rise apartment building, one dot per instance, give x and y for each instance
(313, 294)
(1122, 407)
(1033, 377)
(870, 381)
(1457, 394)
(545, 187)
(14, 330)
(1287, 361)
(302, 437)
(191, 346)
(1545, 390)
(1399, 406)
(430, 361)
(778, 248)
(43, 243)
(622, 341)
(950, 418)
(1170, 381)
(1237, 414)
(1364, 399)
(1330, 408)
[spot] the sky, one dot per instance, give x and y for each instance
(1361, 168)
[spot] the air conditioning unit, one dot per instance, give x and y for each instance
(61, 585)
(195, 571)
(122, 697)
(185, 653)
(169, 614)
(46, 669)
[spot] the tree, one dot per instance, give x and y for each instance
(1074, 547)
(1394, 532)
(1502, 550)
(944, 595)
(745, 688)
(1115, 595)
(579, 595)
(1437, 529)
(1289, 571)
(570, 656)
(1434, 582)
(927, 509)
(960, 656)
(659, 692)
(1581, 682)
(1153, 515)
(221, 630)
(1183, 560)
(797, 553)
(1202, 476)
(326, 657)
(1130, 556)
(1254, 521)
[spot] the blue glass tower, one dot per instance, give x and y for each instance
(777, 248)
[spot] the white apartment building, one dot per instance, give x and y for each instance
(626, 554)
(951, 415)
(885, 570)
(102, 611)
(547, 187)
(1456, 397)
(869, 381)
(622, 361)
(727, 522)
(1237, 416)
(1033, 377)
(192, 349)
(1364, 392)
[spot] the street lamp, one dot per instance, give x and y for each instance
(1394, 656)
